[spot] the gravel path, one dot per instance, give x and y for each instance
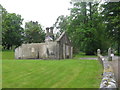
(115, 63)
(88, 58)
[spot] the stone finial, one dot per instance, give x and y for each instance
(109, 54)
(109, 51)
(98, 51)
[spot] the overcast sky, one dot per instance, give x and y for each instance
(43, 11)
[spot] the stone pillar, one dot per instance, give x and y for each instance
(64, 51)
(58, 50)
(16, 53)
(71, 52)
(67, 52)
(109, 55)
(98, 52)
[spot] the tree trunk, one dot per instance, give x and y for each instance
(84, 12)
(90, 10)
(8, 47)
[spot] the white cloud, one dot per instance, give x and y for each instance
(43, 11)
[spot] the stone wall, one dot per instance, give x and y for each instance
(108, 80)
(65, 48)
(27, 51)
(58, 49)
(49, 50)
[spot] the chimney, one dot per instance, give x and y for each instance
(51, 30)
(47, 31)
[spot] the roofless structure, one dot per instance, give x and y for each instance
(60, 48)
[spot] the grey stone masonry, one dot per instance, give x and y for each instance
(108, 80)
(109, 54)
(58, 49)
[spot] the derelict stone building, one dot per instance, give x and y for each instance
(52, 49)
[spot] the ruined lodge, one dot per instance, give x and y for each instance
(59, 49)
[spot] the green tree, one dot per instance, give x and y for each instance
(11, 30)
(85, 28)
(79, 28)
(111, 14)
(33, 32)
(0, 26)
(61, 23)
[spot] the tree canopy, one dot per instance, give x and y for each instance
(90, 26)
(11, 29)
(111, 15)
(87, 27)
(13, 34)
(33, 32)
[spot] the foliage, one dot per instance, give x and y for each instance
(61, 23)
(14, 35)
(89, 26)
(83, 55)
(85, 28)
(11, 29)
(111, 17)
(33, 32)
(0, 25)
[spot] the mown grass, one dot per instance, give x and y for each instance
(82, 55)
(0, 69)
(71, 73)
(9, 55)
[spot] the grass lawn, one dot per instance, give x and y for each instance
(8, 55)
(82, 55)
(73, 73)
